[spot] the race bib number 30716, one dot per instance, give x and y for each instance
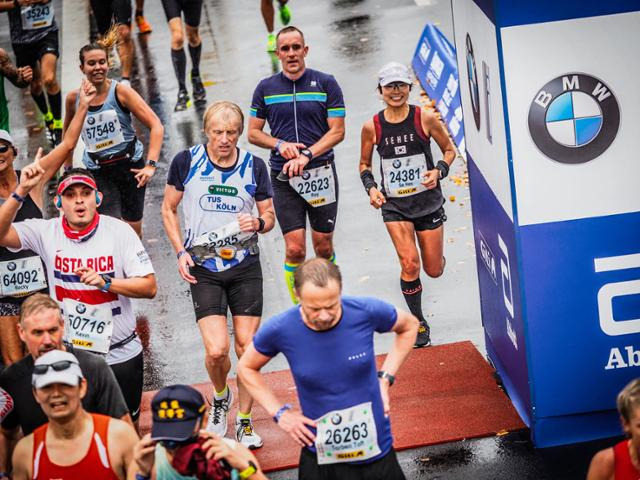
(347, 435)
(88, 327)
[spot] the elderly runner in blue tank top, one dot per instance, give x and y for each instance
(344, 425)
(218, 185)
(113, 153)
(305, 112)
(410, 196)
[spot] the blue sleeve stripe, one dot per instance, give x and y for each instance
(336, 112)
(253, 112)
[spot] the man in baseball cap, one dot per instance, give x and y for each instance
(59, 386)
(394, 72)
(177, 446)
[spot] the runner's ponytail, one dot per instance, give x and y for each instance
(106, 43)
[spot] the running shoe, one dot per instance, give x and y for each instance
(183, 101)
(285, 14)
(271, 43)
(217, 421)
(246, 435)
(424, 335)
(199, 93)
(143, 25)
(56, 132)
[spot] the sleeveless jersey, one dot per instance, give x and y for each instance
(107, 129)
(114, 249)
(398, 144)
(213, 197)
(4, 109)
(95, 464)
(27, 210)
(624, 469)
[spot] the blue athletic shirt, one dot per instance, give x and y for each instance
(334, 369)
(214, 196)
(298, 111)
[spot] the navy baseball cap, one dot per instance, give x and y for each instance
(176, 411)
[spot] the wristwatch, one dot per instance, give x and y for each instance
(107, 282)
(249, 471)
(307, 153)
(260, 224)
(390, 378)
(152, 163)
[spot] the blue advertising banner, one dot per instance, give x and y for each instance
(434, 63)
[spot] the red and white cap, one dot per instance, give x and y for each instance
(74, 179)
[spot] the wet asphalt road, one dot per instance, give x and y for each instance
(350, 39)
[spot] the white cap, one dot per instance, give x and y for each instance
(6, 136)
(68, 375)
(393, 72)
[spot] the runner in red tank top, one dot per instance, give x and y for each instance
(621, 462)
(73, 444)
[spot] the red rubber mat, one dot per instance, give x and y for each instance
(442, 394)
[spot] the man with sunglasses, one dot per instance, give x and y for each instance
(305, 111)
(178, 446)
(41, 328)
(74, 443)
(95, 265)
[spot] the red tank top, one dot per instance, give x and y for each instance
(624, 469)
(95, 464)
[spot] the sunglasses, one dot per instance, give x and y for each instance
(396, 86)
(296, 47)
(57, 366)
(4, 148)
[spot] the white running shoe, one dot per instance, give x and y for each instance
(217, 421)
(246, 434)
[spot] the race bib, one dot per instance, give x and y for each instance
(22, 276)
(88, 327)
(222, 241)
(36, 16)
(347, 435)
(403, 176)
(317, 186)
(101, 131)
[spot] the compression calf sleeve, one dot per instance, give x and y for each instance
(412, 292)
(194, 53)
(55, 102)
(179, 60)
(289, 271)
(41, 102)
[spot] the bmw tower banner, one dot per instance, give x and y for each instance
(550, 100)
(434, 64)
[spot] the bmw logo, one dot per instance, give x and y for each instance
(81, 308)
(11, 266)
(305, 175)
(472, 75)
(574, 118)
(91, 120)
(397, 163)
(336, 419)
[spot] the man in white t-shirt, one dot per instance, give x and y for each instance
(95, 265)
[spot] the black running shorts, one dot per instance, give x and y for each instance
(292, 209)
(130, 377)
(121, 196)
(107, 12)
(30, 54)
(239, 289)
(192, 10)
(430, 221)
(385, 468)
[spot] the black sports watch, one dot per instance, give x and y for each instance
(107, 282)
(390, 378)
(307, 153)
(152, 163)
(260, 224)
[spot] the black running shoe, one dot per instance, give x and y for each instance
(424, 335)
(199, 93)
(183, 101)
